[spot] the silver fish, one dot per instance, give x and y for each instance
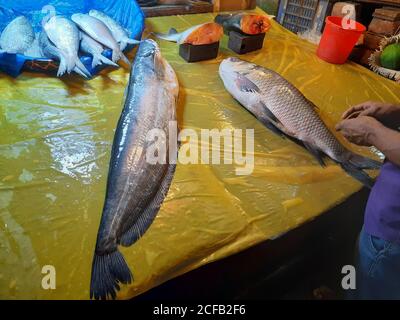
(65, 35)
(284, 109)
(96, 29)
(95, 49)
(136, 188)
(34, 50)
(205, 33)
(49, 50)
(119, 33)
(17, 36)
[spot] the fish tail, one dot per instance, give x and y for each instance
(70, 63)
(118, 54)
(358, 174)
(108, 271)
(124, 58)
(363, 162)
(80, 72)
(100, 59)
(124, 43)
(81, 66)
(172, 35)
(115, 55)
(62, 67)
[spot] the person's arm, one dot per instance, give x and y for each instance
(367, 131)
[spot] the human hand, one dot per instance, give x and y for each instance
(360, 130)
(388, 114)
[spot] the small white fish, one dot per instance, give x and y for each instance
(34, 50)
(205, 33)
(96, 29)
(65, 35)
(95, 49)
(48, 50)
(118, 32)
(18, 36)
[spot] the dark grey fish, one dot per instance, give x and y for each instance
(135, 187)
(283, 108)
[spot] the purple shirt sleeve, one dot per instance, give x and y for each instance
(382, 216)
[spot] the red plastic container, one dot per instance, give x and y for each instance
(338, 39)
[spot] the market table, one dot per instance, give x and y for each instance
(55, 142)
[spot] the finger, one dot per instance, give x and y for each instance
(343, 125)
(356, 108)
(355, 114)
(339, 126)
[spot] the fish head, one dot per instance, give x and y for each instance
(150, 54)
(235, 75)
(151, 62)
(78, 18)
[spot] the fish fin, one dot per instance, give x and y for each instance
(222, 18)
(80, 72)
(246, 85)
(273, 128)
(108, 271)
(100, 59)
(362, 162)
(272, 123)
(117, 55)
(96, 61)
(358, 174)
(81, 67)
(140, 226)
(123, 44)
(125, 59)
(315, 152)
(62, 67)
(173, 31)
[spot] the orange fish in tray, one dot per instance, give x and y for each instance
(251, 24)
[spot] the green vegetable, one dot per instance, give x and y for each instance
(390, 57)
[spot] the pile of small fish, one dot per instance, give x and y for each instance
(64, 39)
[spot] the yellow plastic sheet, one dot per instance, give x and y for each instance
(55, 142)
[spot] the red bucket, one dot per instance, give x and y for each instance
(338, 39)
